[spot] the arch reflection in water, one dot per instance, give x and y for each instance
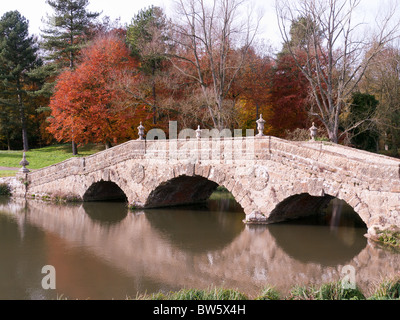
(331, 238)
(202, 228)
(149, 252)
(107, 213)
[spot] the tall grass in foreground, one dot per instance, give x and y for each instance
(328, 291)
(196, 294)
(388, 289)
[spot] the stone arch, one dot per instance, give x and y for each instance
(189, 184)
(104, 191)
(182, 190)
(304, 204)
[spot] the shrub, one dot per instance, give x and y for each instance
(5, 189)
(389, 236)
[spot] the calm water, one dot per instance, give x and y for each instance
(104, 251)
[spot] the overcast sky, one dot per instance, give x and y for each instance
(35, 10)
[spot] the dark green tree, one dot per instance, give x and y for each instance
(146, 37)
(301, 31)
(18, 55)
(362, 110)
(67, 31)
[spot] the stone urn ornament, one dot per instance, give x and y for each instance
(198, 132)
(260, 126)
(24, 163)
(141, 131)
(313, 132)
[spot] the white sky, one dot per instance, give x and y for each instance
(35, 10)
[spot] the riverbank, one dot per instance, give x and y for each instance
(42, 157)
(389, 237)
(386, 290)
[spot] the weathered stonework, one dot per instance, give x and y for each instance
(271, 178)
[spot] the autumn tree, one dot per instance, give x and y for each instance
(87, 106)
(252, 88)
(68, 29)
(210, 45)
(18, 55)
(335, 47)
(289, 93)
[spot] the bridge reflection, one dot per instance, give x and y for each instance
(170, 250)
(101, 213)
(199, 229)
(339, 237)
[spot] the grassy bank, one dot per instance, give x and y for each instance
(389, 237)
(43, 157)
(386, 290)
(221, 193)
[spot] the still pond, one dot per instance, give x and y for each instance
(101, 250)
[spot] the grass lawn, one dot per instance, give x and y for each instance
(43, 157)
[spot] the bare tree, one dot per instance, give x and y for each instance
(335, 53)
(210, 44)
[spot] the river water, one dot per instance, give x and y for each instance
(104, 251)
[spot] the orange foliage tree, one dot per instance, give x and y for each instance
(253, 89)
(87, 105)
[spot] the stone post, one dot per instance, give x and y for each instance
(22, 177)
(260, 126)
(198, 133)
(313, 132)
(141, 131)
(24, 163)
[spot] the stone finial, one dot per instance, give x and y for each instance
(24, 163)
(313, 132)
(141, 131)
(260, 126)
(198, 132)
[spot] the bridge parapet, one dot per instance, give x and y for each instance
(261, 172)
(342, 162)
(313, 157)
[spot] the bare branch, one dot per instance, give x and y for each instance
(215, 40)
(336, 60)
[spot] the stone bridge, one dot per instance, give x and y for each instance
(272, 179)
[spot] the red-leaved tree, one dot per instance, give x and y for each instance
(87, 105)
(289, 97)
